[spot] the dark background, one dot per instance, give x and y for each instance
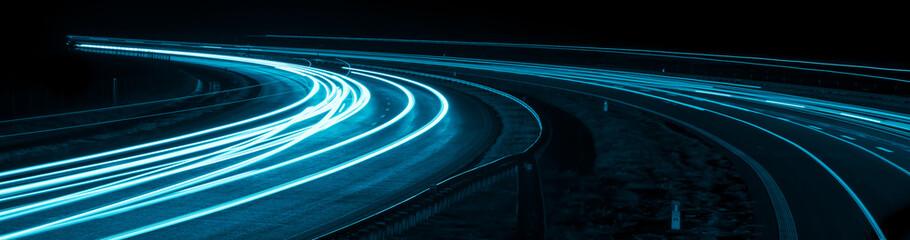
(846, 33)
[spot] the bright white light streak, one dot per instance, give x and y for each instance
(159, 142)
(860, 117)
(283, 66)
(439, 116)
(269, 132)
(713, 93)
(124, 205)
(69, 178)
(80, 183)
(198, 188)
(62, 200)
(785, 104)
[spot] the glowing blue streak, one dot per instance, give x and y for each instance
(504, 66)
(270, 132)
(594, 49)
(13, 190)
(830, 171)
(785, 104)
(884, 149)
(151, 144)
(860, 117)
(97, 190)
(463, 62)
(713, 93)
(303, 180)
(517, 68)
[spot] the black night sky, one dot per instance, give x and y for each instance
(847, 33)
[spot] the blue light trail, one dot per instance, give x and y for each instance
(896, 123)
(230, 154)
(213, 157)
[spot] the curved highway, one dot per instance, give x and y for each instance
(824, 165)
(316, 150)
(828, 169)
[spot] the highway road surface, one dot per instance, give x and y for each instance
(829, 169)
(316, 150)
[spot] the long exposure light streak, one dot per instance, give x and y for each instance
(439, 116)
(604, 78)
(898, 121)
(227, 152)
(221, 155)
(748, 60)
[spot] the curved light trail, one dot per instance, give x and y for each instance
(173, 168)
(746, 60)
(850, 155)
(876, 132)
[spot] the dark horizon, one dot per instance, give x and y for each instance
(838, 34)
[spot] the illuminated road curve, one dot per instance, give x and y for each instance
(323, 149)
(831, 170)
(823, 163)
